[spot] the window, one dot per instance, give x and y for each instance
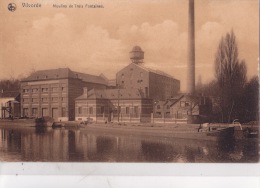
(184, 104)
(158, 107)
(146, 91)
(102, 110)
(34, 99)
(168, 106)
(62, 88)
(26, 90)
(63, 112)
(79, 110)
(54, 99)
(25, 100)
(54, 89)
(26, 112)
(127, 110)
(44, 90)
(45, 99)
(35, 90)
(34, 112)
(84, 111)
(90, 110)
(136, 111)
(45, 112)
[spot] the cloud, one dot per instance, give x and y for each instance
(163, 43)
(86, 41)
(53, 42)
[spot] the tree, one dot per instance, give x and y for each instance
(9, 85)
(251, 100)
(230, 74)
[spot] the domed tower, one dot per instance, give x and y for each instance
(137, 55)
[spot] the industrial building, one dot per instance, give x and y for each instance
(153, 84)
(139, 94)
(52, 92)
(133, 98)
(112, 105)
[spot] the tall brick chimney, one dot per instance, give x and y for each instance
(191, 50)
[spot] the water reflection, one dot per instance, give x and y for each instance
(47, 144)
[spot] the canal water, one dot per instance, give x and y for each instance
(80, 145)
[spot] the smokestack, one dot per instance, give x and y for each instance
(191, 50)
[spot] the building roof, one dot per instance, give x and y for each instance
(9, 94)
(62, 73)
(187, 97)
(152, 70)
(156, 71)
(137, 49)
(112, 94)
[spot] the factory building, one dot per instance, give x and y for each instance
(55, 93)
(52, 92)
(133, 98)
(112, 105)
(153, 84)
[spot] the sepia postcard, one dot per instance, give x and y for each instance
(129, 81)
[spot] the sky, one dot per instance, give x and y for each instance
(96, 41)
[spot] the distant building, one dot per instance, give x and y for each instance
(106, 105)
(53, 92)
(161, 109)
(153, 84)
(9, 104)
(191, 109)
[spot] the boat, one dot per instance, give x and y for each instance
(57, 125)
(250, 133)
(43, 121)
(245, 132)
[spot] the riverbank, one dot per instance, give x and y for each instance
(169, 131)
(187, 131)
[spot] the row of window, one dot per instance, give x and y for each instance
(131, 75)
(44, 90)
(159, 107)
(44, 99)
(89, 110)
(46, 76)
(131, 81)
(182, 104)
(35, 112)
